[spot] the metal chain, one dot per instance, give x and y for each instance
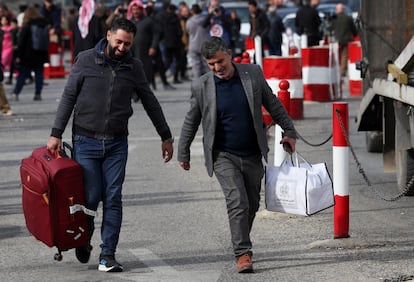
(400, 278)
(362, 172)
(311, 144)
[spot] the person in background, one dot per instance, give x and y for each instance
(147, 39)
(27, 58)
(234, 30)
(157, 61)
(88, 28)
(100, 132)
(276, 31)
(52, 14)
(227, 102)
(184, 15)
(308, 22)
(20, 15)
(197, 33)
(4, 103)
(218, 21)
(71, 19)
(5, 11)
(7, 45)
(171, 30)
(259, 23)
(14, 35)
(344, 31)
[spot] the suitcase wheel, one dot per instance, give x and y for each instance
(58, 256)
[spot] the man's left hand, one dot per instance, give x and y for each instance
(167, 150)
(291, 141)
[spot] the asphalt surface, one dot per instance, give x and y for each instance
(175, 225)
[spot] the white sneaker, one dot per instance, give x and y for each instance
(8, 113)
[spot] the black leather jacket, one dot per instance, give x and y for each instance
(99, 92)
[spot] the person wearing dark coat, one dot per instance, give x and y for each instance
(148, 36)
(259, 23)
(52, 13)
(157, 60)
(344, 31)
(27, 58)
(276, 31)
(172, 33)
(87, 30)
(308, 22)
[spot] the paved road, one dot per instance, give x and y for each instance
(175, 226)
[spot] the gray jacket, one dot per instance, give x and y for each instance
(99, 92)
(203, 111)
(197, 33)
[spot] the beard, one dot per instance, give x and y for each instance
(112, 53)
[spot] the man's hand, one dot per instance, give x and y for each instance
(185, 165)
(54, 144)
(167, 150)
(292, 143)
(151, 52)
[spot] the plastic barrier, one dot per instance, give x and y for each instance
(355, 80)
(55, 67)
(320, 70)
(250, 46)
(277, 68)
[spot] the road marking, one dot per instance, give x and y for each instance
(161, 271)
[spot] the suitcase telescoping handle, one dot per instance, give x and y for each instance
(63, 151)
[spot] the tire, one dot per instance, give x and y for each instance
(404, 165)
(373, 140)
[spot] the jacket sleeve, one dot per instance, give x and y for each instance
(190, 126)
(68, 100)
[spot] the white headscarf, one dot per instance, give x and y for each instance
(86, 12)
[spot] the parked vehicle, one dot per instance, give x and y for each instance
(386, 110)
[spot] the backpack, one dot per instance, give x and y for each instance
(40, 37)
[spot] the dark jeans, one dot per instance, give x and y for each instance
(103, 163)
(24, 72)
(240, 179)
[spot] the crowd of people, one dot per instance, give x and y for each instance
(168, 37)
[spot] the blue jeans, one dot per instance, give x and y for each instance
(24, 73)
(240, 179)
(103, 163)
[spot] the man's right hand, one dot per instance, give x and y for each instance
(185, 165)
(54, 144)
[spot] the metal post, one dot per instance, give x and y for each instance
(340, 169)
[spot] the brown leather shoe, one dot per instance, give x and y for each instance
(244, 263)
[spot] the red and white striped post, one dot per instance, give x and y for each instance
(284, 96)
(340, 169)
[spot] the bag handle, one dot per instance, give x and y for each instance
(302, 158)
(294, 159)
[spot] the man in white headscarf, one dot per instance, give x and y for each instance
(88, 28)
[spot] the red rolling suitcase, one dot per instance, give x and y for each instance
(53, 200)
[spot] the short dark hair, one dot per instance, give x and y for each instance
(211, 46)
(253, 2)
(196, 9)
(124, 24)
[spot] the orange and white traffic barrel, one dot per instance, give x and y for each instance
(320, 71)
(355, 80)
(288, 68)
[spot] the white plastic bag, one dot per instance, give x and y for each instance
(298, 188)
